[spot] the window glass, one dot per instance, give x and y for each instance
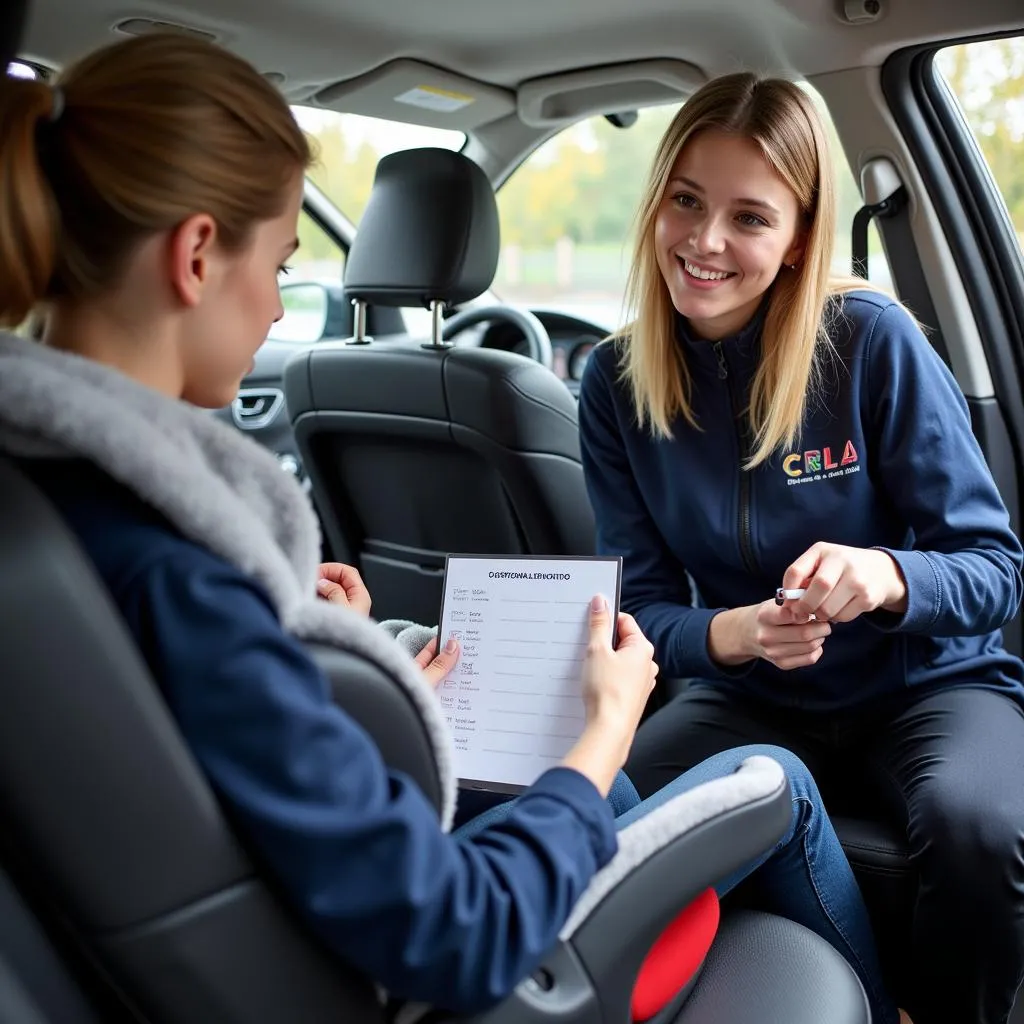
(987, 80)
(350, 145)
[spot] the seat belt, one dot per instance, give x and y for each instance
(863, 217)
(884, 196)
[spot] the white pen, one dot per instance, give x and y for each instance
(794, 594)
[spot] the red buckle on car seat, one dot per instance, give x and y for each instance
(676, 956)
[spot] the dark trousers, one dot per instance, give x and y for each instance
(949, 766)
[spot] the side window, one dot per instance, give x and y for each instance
(318, 258)
(987, 79)
(20, 69)
(567, 216)
(311, 287)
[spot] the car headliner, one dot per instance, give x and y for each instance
(314, 43)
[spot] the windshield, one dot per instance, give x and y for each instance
(350, 145)
(566, 217)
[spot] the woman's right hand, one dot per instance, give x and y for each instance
(616, 686)
(777, 634)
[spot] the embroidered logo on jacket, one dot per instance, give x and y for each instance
(819, 464)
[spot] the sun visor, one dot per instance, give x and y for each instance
(411, 91)
(559, 99)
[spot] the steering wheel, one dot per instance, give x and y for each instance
(537, 340)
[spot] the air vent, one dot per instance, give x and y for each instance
(147, 26)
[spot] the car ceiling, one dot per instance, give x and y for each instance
(315, 43)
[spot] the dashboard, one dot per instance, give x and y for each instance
(572, 341)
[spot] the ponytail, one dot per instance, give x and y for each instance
(29, 217)
(140, 135)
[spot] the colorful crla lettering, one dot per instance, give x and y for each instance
(814, 460)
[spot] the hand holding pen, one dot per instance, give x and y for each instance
(838, 583)
(828, 583)
(773, 631)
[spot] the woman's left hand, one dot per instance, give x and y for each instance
(843, 582)
(342, 584)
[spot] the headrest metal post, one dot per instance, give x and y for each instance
(437, 326)
(359, 324)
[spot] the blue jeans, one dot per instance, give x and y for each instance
(805, 877)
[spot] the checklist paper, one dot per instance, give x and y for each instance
(514, 701)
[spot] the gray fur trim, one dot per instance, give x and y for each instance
(757, 778)
(395, 626)
(217, 487)
(412, 636)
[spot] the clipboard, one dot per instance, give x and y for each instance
(514, 699)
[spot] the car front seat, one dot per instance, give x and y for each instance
(415, 451)
(115, 840)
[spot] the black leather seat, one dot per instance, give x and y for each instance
(116, 842)
(413, 451)
(414, 454)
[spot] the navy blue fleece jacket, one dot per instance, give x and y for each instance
(454, 922)
(886, 459)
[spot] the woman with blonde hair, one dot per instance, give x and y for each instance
(809, 530)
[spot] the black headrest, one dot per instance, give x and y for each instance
(430, 231)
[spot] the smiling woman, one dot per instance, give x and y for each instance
(740, 144)
(762, 423)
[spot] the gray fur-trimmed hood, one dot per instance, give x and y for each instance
(217, 487)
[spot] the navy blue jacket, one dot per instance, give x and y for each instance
(886, 459)
(455, 922)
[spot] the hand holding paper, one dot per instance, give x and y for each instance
(616, 686)
(535, 674)
(437, 664)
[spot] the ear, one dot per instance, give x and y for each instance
(191, 249)
(795, 253)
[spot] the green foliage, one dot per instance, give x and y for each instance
(584, 184)
(344, 168)
(988, 80)
(314, 245)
